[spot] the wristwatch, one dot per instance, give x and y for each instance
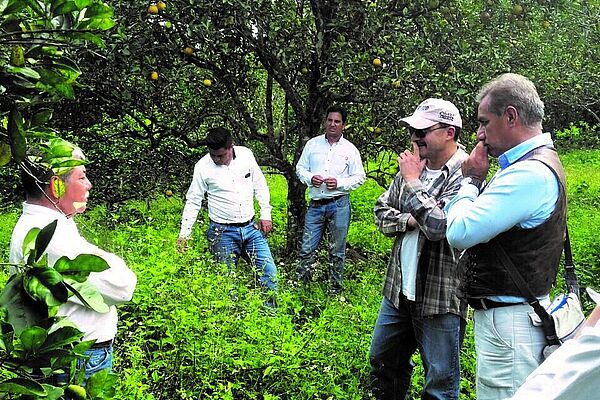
(471, 180)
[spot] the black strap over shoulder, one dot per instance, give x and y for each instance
(570, 280)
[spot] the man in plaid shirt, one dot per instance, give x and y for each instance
(420, 309)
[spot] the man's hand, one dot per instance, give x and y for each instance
(265, 226)
(412, 223)
(331, 183)
(317, 180)
(411, 164)
(477, 164)
(181, 244)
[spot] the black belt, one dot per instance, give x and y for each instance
(101, 345)
(327, 200)
(238, 224)
(486, 304)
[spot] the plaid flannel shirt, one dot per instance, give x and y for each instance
(437, 274)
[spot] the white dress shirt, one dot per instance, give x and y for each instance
(116, 284)
(230, 190)
(340, 160)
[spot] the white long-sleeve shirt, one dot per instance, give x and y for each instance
(340, 160)
(230, 190)
(116, 284)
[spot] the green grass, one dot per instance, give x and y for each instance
(182, 337)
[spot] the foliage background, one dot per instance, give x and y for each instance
(183, 337)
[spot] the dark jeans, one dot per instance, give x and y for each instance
(335, 216)
(228, 243)
(398, 334)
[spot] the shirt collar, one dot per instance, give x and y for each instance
(334, 143)
(35, 209)
(512, 155)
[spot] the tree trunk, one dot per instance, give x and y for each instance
(296, 211)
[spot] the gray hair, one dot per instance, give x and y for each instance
(517, 91)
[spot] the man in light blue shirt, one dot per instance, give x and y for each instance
(331, 167)
(522, 212)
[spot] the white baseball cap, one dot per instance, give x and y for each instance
(431, 112)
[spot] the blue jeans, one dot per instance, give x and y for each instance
(398, 334)
(99, 359)
(335, 216)
(227, 243)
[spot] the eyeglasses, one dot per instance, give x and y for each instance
(421, 133)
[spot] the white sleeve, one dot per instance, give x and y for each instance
(117, 283)
(194, 197)
(303, 167)
(261, 190)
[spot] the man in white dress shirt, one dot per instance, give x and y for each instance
(229, 177)
(331, 167)
(49, 200)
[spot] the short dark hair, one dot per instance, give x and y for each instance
(218, 138)
(338, 109)
(35, 179)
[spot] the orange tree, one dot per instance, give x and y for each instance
(268, 70)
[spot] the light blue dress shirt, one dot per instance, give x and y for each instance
(520, 193)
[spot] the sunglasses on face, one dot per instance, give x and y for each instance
(421, 133)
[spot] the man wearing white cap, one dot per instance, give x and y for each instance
(420, 309)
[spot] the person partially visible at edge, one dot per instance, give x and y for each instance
(44, 204)
(331, 167)
(572, 372)
(230, 178)
(420, 309)
(521, 210)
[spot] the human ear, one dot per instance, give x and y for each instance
(511, 114)
(57, 187)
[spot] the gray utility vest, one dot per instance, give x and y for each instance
(535, 252)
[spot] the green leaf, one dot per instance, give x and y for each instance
(16, 135)
(21, 311)
(22, 386)
(50, 278)
(53, 392)
(25, 71)
(101, 385)
(4, 154)
(82, 265)
(33, 338)
(61, 337)
(66, 8)
(35, 6)
(12, 7)
(89, 296)
(29, 241)
(81, 4)
(41, 117)
(43, 238)
(38, 291)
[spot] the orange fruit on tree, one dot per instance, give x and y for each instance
(154, 75)
(377, 62)
(188, 51)
(153, 9)
(161, 5)
(207, 82)
(517, 9)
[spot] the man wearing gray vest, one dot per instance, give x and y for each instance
(520, 212)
